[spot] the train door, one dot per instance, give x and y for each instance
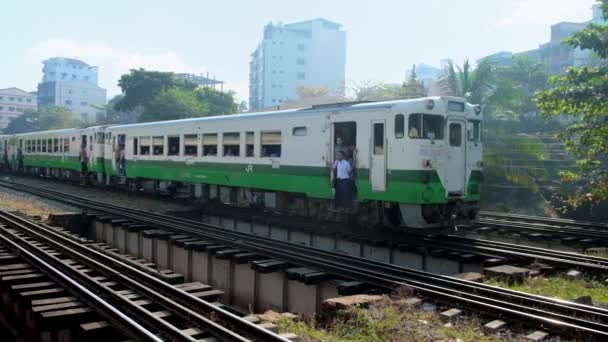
(378, 156)
(456, 153)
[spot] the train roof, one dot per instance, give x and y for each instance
(316, 109)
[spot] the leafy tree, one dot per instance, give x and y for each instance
(372, 91)
(171, 104)
(41, 120)
(113, 116)
(582, 92)
(476, 85)
(218, 102)
(140, 87)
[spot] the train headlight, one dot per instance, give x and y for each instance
(427, 163)
(430, 104)
(477, 110)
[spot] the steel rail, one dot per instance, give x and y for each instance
(152, 287)
(540, 219)
(265, 246)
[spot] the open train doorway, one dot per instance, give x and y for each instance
(345, 140)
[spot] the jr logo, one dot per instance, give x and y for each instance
(249, 168)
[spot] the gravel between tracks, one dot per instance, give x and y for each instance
(33, 205)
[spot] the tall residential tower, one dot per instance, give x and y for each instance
(309, 53)
(71, 83)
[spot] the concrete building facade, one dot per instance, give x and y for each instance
(309, 53)
(13, 103)
(71, 83)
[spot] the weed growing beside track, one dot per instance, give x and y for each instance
(390, 320)
(559, 287)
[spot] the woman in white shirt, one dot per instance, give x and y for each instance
(343, 181)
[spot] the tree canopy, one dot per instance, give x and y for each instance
(582, 92)
(165, 96)
(41, 120)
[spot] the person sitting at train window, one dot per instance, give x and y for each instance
(158, 150)
(84, 158)
(340, 147)
(414, 132)
(343, 185)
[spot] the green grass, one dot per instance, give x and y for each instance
(558, 287)
(386, 322)
(600, 254)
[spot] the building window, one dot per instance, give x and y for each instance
(301, 76)
(83, 103)
(1, 98)
(20, 99)
(1, 108)
(11, 109)
(68, 102)
(300, 61)
(11, 99)
(28, 100)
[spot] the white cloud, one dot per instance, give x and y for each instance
(545, 12)
(112, 62)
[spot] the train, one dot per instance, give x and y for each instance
(417, 162)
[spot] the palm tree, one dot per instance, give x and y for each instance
(476, 85)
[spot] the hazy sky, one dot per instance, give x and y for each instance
(384, 37)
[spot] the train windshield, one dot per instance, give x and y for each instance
(426, 126)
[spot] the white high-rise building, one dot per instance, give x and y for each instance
(13, 103)
(71, 83)
(309, 53)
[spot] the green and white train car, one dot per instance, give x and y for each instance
(418, 161)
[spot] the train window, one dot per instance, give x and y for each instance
(100, 138)
(173, 144)
(231, 143)
(144, 146)
(135, 147)
(49, 145)
(249, 144)
(379, 139)
(55, 145)
(425, 126)
(399, 126)
(300, 131)
(38, 146)
(158, 145)
(271, 144)
(191, 144)
(66, 144)
(474, 130)
(455, 134)
(210, 144)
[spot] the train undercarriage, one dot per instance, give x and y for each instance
(368, 213)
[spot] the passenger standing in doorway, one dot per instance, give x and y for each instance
(341, 147)
(83, 163)
(342, 171)
(19, 159)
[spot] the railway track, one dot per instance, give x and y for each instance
(141, 305)
(588, 233)
(567, 317)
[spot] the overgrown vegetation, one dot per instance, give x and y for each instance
(582, 93)
(558, 287)
(388, 321)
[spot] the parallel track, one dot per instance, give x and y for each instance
(531, 309)
(42, 245)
